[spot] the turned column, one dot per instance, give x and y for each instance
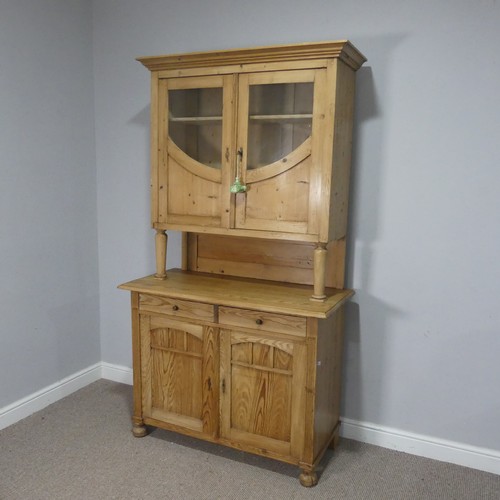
(161, 254)
(319, 272)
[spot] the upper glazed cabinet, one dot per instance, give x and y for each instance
(253, 142)
(245, 135)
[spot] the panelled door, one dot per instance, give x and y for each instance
(277, 116)
(263, 392)
(196, 151)
(180, 373)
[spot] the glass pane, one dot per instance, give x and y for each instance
(195, 123)
(280, 120)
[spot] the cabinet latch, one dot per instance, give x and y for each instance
(237, 186)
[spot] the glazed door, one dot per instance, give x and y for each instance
(179, 373)
(263, 392)
(195, 144)
(276, 120)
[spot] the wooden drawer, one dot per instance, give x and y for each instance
(176, 307)
(270, 322)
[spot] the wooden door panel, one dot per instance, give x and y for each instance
(260, 402)
(179, 373)
(261, 392)
(176, 383)
(280, 203)
(195, 151)
(176, 372)
(191, 198)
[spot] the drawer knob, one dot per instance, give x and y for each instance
(259, 321)
(175, 308)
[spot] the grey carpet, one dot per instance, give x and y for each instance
(81, 448)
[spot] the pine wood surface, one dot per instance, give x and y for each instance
(179, 374)
(239, 292)
(342, 146)
(281, 137)
(263, 382)
(260, 182)
(269, 322)
(256, 399)
(175, 307)
(327, 380)
(342, 49)
(277, 260)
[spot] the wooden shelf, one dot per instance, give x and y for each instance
(292, 118)
(217, 120)
(196, 120)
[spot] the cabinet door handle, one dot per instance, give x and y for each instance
(259, 321)
(175, 308)
(237, 186)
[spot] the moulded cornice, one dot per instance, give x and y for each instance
(341, 49)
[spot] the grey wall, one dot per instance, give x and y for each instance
(49, 308)
(423, 331)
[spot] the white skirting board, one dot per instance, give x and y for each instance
(484, 459)
(44, 397)
(117, 373)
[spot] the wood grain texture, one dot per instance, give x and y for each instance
(320, 254)
(210, 381)
(342, 147)
(296, 175)
(161, 240)
(177, 223)
(176, 308)
(231, 356)
(262, 392)
(229, 125)
(137, 417)
(279, 203)
(179, 375)
(309, 380)
(260, 402)
(198, 169)
(290, 325)
(342, 49)
(320, 141)
(199, 197)
(274, 394)
(328, 379)
(239, 292)
(277, 260)
(155, 131)
(176, 383)
(287, 162)
(242, 69)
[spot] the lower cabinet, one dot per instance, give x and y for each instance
(266, 383)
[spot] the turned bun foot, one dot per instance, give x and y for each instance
(308, 479)
(139, 431)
